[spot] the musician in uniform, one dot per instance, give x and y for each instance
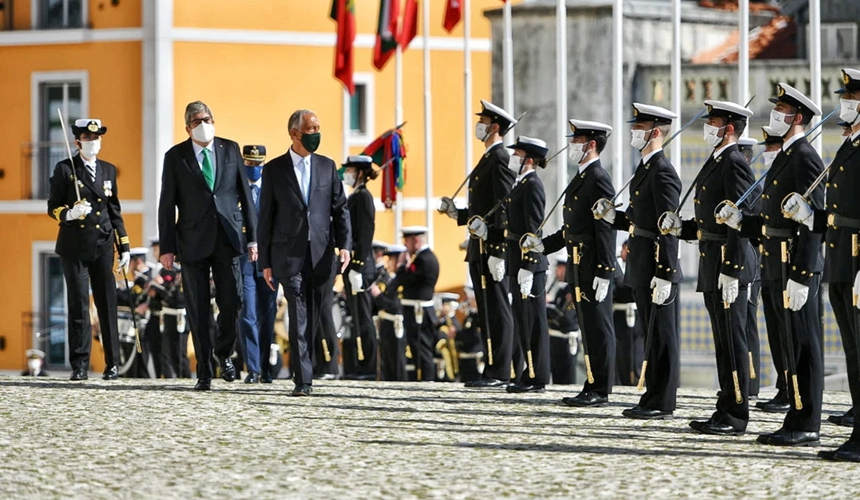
(839, 220)
(793, 284)
(490, 181)
(652, 269)
(84, 201)
(449, 329)
(726, 263)
(389, 313)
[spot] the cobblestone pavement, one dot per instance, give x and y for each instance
(148, 438)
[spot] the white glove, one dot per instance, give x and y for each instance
(124, 259)
(447, 206)
(603, 209)
(798, 210)
(355, 280)
(630, 314)
(730, 216)
(497, 267)
(797, 295)
(525, 279)
(532, 243)
(478, 228)
(79, 210)
(671, 224)
(398, 326)
(729, 286)
(600, 287)
(661, 290)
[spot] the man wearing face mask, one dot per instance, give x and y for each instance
(794, 169)
(727, 262)
(840, 222)
(595, 242)
(303, 218)
(90, 226)
(652, 263)
(205, 218)
(490, 181)
(257, 323)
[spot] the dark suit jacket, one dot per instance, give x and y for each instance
(286, 221)
(192, 234)
(362, 215)
(417, 278)
(523, 213)
(85, 239)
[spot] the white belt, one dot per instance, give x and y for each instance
(418, 306)
(560, 334)
(171, 311)
(397, 319)
(623, 307)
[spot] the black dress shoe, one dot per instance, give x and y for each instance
(714, 428)
(520, 388)
(783, 437)
(301, 390)
(640, 413)
(111, 373)
(586, 399)
(848, 452)
(485, 382)
(844, 420)
(265, 379)
(779, 403)
(252, 378)
(228, 370)
(203, 385)
(326, 376)
(79, 374)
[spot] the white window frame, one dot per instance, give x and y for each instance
(38, 248)
(34, 14)
(356, 139)
(36, 80)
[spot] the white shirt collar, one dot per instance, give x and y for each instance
(791, 140)
(297, 158)
(589, 162)
(718, 152)
(91, 163)
(424, 247)
(198, 148)
(258, 182)
(523, 176)
(649, 155)
(854, 135)
(493, 145)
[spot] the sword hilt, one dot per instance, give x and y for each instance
(719, 207)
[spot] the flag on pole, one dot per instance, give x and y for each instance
(389, 146)
(409, 27)
(453, 13)
(386, 32)
(343, 12)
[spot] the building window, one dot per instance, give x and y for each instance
(838, 41)
(59, 14)
(68, 92)
(50, 328)
(359, 110)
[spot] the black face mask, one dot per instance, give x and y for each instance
(311, 142)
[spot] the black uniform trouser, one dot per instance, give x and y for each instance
(80, 276)
(303, 313)
(599, 332)
(664, 364)
(730, 333)
(392, 352)
(841, 301)
(629, 348)
(501, 322)
(422, 341)
(195, 278)
(753, 343)
(360, 308)
(324, 296)
(562, 363)
(805, 335)
(530, 326)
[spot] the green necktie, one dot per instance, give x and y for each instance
(208, 171)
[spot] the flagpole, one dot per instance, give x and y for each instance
(508, 64)
(428, 125)
(346, 125)
(561, 96)
(467, 85)
(618, 94)
(815, 63)
(676, 82)
(743, 54)
(398, 119)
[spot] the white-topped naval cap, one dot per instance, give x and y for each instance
(585, 127)
(651, 113)
(790, 95)
(723, 108)
(491, 110)
(414, 230)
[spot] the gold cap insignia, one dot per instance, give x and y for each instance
(845, 78)
(780, 91)
(635, 111)
(255, 151)
(93, 127)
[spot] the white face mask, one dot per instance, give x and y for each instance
(204, 132)
(89, 149)
(577, 151)
(349, 178)
(768, 156)
(711, 134)
(848, 110)
(482, 131)
(778, 123)
(637, 139)
(515, 163)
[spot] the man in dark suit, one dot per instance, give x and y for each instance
(301, 190)
(797, 280)
(85, 245)
(205, 219)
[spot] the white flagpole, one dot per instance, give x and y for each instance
(467, 85)
(508, 65)
(346, 125)
(618, 131)
(398, 119)
(815, 62)
(676, 82)
(428, 126)
(743, 89)
(561, 98)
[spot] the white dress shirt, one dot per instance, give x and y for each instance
(198, 154)
(304, 181)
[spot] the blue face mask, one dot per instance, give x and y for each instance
(254, 172)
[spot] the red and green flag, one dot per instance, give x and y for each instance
(453, 13)
(409, 27)
(343, 12)
(386, 32)
(389, 151)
